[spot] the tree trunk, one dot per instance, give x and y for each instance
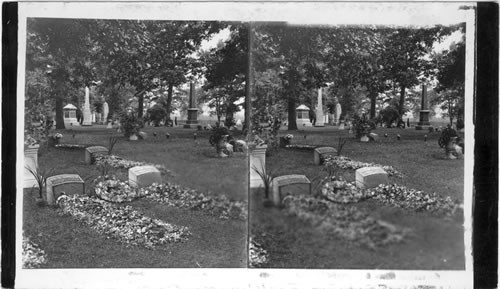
(292, 114)
(59, 114)
(373, 102)
(169, 102)
(402, 101)
(141, 106)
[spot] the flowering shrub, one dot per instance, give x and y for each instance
(347, 163)
(257, 256)
(33, 256)
(111, 189)
(403, 197)
(176, 196)
(122, 223)
(344, 221)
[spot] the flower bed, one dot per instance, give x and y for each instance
(33, 256)
(121, 163)
(347, 163)
(344, 221)
(257, 256)
(123, 223)
(406, 198)
(111, 189)
(176, 196)
(301, 147)
(70, 146)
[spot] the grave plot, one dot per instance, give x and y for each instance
(344, 221)
(347, 163)
(177, 196)
(122, 223)
(406, 198)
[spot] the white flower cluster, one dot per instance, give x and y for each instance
(257, 255)
(121, 222)
(344, 221)
(111, 189)
(33, 256)
(347, 163)
(345, 193)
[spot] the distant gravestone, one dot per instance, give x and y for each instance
(288, 180)
(143, 176)
(320, 153)
(92, 151)
(370, 177)
(373, 136)
(142, 135)
(67, 183)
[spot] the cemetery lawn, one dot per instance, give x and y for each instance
(435, 242)
(214, 243)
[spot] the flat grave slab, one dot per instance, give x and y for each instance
(370, 177)
(294, 185)
(320, 153)
(68, 183)
(92, 151)
(143, 176)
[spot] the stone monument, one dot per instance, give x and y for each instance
(192, 121)
(424, 123)
(87, 118)
(338, 112)
(105, 112)
(320, 119)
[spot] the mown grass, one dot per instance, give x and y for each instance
(436, 243)
(215, 243)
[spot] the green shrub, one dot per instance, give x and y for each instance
(131, 124)
(390, 115)
(157, 114)
(362, 125)
(446, 135)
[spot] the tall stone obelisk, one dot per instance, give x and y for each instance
(424, 112)
(86, 108)
(320, 119)
(192, 120)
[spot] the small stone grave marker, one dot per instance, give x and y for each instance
(288, 180)
(320, 153)
(92, 151)
(143, 176)
(370, 177)
(68, 183)
(373, 136)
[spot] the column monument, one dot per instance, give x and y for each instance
(192, 121)
(86, 108)
(320, 119)
(424, 112)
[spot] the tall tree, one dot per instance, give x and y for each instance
(451, 76)
(60, 51)
(148, 53)
(225, 71)
(405, 54)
